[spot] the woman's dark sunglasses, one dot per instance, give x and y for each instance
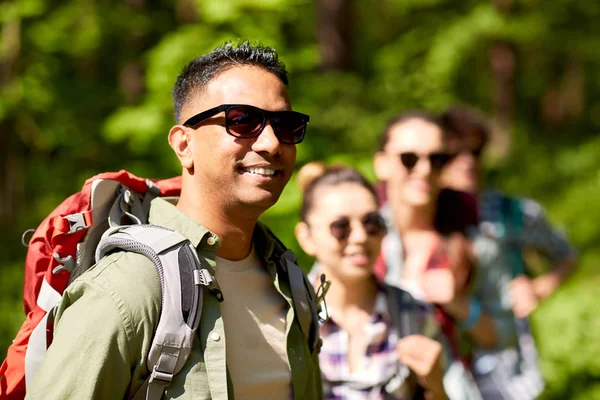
(436, 160)
(247, 122)
(372, 223)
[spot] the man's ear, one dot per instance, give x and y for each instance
(305, 238)
(381, 165)
(179, 140)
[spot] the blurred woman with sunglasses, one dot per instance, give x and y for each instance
(426, 251)
(373, 338)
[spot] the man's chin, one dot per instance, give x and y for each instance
(262, 201)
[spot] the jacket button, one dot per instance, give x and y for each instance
(215, 336)
(211, 241)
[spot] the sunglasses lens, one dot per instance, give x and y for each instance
(409, 160)
(373, 224)
(289, 126)
(245, 122)
(438, 160)
(340, 229)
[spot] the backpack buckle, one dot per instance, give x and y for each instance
(160, 378)
(79, 221)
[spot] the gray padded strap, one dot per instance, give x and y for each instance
(174, 337)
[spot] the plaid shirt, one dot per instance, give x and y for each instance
(379, 375)
(536, 232)
(496, 246)
(510, 371)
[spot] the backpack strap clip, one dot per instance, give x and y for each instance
(204, 278)
(155, 386)
(321, 293)
(160, 378)
(79, 221)
(66, 263)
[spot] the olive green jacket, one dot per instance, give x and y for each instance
(106, 320)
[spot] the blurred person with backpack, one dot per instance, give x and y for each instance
(378, 340)
(507, 227)
(426, 250)
(235, 138)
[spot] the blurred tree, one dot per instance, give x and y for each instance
(334, 24)
(502, 66)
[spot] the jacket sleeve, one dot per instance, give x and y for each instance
(89, 357)
(99, 345)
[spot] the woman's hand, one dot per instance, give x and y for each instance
(423, 356)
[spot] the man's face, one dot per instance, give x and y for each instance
(464, 171)
(234, 171)
(418, 185)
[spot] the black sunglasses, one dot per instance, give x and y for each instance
(372, 223)
(436, 160)
(247, 122)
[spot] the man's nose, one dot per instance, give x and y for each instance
(267, 141)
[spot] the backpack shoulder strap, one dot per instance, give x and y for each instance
(303, 298)
(409, 315)
(182, 279)
(400, 310)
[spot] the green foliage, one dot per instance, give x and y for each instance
(85, 87)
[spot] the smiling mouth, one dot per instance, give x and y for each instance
(262, 171)
(362, 254)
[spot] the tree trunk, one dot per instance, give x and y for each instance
(503, 66)
(11, 176)
(333, 33)
(565, 99)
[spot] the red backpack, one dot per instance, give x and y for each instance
(62, 248)
(110, 213)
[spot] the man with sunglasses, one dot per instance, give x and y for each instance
(235, 137)
(507, 227)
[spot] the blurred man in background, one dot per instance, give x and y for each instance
(507, 227)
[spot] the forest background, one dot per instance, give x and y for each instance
(85, 88)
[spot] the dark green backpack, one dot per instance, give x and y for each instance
(513, 220)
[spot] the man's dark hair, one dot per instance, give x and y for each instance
(200, 71)
(461, 121)
(406, 116)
